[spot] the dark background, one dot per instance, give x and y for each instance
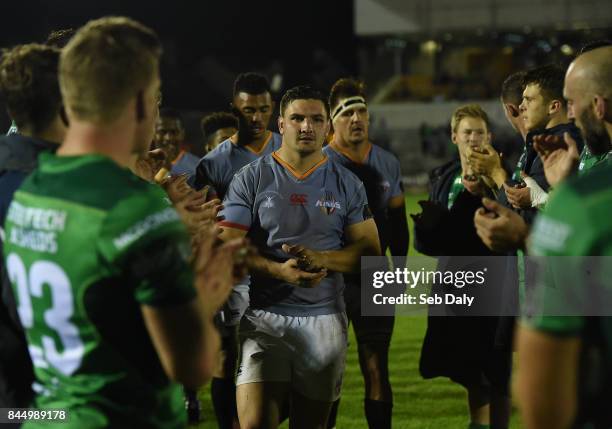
(206, 43)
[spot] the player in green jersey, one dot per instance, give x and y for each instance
(552, 382)
(98, 260)
(594, 156)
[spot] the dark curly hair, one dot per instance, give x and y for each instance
(217, 120)
(29, 84)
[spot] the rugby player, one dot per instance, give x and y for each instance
(216, 128)
(559, 383)
(511, 98)
(253, 105)
(593, 153)
(544, 113)
(29, 84)
(309, 219)
(57, 39)
(170, 138)
(98, 260)
(560, 156)
(380, 172)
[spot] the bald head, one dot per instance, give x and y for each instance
(588, 91)
(592, 72)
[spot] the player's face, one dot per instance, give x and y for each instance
(304, 126)
(255, 110)
(513, 121)
(146, 126)
(534, 108)
(470, 132)
(580, 109)
(169, 136)
(352, 125)
(219, 136)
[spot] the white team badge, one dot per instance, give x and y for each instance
(268, 203)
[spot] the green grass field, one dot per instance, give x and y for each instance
(418, 403)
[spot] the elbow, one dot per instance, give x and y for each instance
(367, 249)
(197, 364)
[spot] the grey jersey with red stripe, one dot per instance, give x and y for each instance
(217, 168)
(269, 200)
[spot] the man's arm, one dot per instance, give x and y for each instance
(184, 335)
(288, 271)
(362, 240)
(185, 339)
(547, 379)
(399, 238)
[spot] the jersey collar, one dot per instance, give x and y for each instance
(295, 173)
(248, 147)
(337, 148)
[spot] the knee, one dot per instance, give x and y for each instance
(254, 417)
(375, 368)
(374, 377)
(251, 425)
(254, 421)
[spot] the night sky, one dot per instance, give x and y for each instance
(208, 42)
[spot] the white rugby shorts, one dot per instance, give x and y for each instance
(309, 352)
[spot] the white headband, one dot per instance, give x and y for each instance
(348, 103)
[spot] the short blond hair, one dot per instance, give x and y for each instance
(106, 63)
(468, 111)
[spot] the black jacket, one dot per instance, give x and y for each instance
(454, 233)
(531, 163)
(463, 348)
(18, 158)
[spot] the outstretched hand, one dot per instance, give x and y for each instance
(559, 157)
(218, 266)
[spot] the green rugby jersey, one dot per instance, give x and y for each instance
(577, 224)
(588, 160)
(87, 243)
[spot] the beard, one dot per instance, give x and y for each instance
(245, 135)
(594, 134)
